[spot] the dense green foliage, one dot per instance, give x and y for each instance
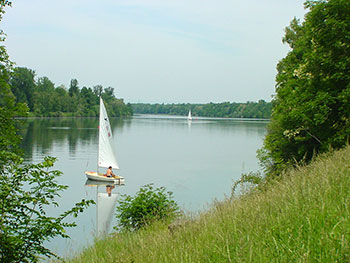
(22, 86)
(311, 109)
(9, 140)
(26, 190)
(302, 217)
(261, 109)
(44, 99)
(148, 205)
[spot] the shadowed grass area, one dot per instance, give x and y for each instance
(303, 216)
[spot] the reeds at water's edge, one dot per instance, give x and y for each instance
(302, 217)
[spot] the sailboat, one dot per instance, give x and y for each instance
(189, 118)
(106, 156)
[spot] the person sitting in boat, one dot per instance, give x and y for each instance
(109, 172)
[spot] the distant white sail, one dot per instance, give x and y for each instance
(189, 116)
(105, 211)
(106, 156)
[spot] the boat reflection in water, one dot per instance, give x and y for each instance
(105, 205)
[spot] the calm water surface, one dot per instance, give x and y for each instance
(197, 161)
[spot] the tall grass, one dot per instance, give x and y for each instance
(302, 217)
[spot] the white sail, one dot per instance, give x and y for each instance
(189, 116)
(106, 156)
(105, 209)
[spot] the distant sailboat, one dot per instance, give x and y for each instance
(189, 118)
(106, 156)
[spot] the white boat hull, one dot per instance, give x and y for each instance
(100, 177)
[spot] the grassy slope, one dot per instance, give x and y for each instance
(304, 217)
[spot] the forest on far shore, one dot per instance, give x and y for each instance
(258, 110)
(44, 99)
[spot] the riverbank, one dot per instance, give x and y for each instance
(302, 217)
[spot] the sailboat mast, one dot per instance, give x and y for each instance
(99, 131)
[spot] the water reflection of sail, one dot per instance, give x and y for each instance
(105, 208)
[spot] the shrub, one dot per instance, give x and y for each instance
(26, 190)
(247, 182)
(148, 205)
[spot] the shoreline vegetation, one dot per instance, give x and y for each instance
(254, 110)
(302, 216)
(44, 99)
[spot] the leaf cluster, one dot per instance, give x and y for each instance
(26, 190)
(311, 108)
(148, 205)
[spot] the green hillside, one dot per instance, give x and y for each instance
(303, 216)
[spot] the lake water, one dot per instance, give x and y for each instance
(197, 161)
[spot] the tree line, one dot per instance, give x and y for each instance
(43, 98)
(260, 109)
(311, 108)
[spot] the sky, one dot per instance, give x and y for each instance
(154, 51)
